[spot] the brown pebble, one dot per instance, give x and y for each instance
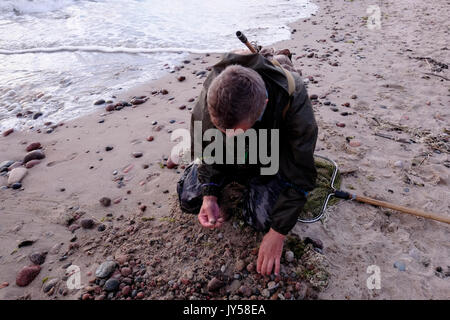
(151, 138)
(110, 108)
(181, 78)
(106, 202)
(8, 132)
(170, 164)
(86, 296)
(30, 164)
(340, 124)
(27, 275)
(4, 285)
(355, 143)
(33, 146)
(140, 295)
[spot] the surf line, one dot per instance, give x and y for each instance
(100, 49)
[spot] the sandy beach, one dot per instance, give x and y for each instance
(381, 98)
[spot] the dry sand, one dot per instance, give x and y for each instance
(388, 91)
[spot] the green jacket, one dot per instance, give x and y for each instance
(298, 136)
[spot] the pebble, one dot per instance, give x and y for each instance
(340, 124)
(215, 284)
(33, 146)
(99, 102)
(170, 164)
(110, 108)
(317, 243)
(37, 115)
(8, 132)
(16, 175)
(109, 148)
(30, 164)
(37, 258)
(400, 266)
(240, 265)
(182, 107)
(314, 97)
(101, 228)
(111, 285)
(16, 186)
(354, 96)
(50, 284)
(87, 223)
(151, 138)
(354, 143)
(126, 291)
(272, 285)
(140, 295)
(251, 267)
(86, 297)
(245, 291)
(27, 275)
(105, 269)
(289, 256)
(34, 155)
(265, 293)
(137, 101)
(16, 164)
(181, 78)
(106, 202)
(137, 154)
(126, 271)
(4, 285)
(398, 164)
(5, 165)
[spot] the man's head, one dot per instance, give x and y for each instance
(236, 98)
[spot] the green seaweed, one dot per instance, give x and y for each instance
(316, 198)
(296, 245)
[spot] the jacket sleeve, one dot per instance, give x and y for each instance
(211, 176)
(297, 167)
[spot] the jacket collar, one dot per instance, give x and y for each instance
(256, 62)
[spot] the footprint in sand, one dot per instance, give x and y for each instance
(68, 158)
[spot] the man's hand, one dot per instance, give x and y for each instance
(270, 252)
(209, 215)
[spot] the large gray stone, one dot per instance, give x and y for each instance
(16, 175)
(105, 269)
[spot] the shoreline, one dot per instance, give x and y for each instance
(362, 79)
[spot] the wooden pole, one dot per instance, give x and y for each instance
(401, 209)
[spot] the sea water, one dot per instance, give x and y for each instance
(59, 56)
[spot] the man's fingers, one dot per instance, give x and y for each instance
(264, 266)
(259, 262)
(269, 267)
(211, 217)
(277, 266)
(203, 218)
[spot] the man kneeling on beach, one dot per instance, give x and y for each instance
(251, 92)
